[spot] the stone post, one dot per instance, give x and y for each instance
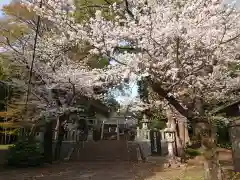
(40, 136)
(169, 134)
(138, 132)
(90, 136)
(118, 136)
(234, 129)
(145, 122)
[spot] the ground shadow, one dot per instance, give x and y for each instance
(89, 170)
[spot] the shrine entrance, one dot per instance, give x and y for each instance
(155, 139)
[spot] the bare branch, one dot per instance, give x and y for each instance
(128, 9)
(231, 39)
(74, 93)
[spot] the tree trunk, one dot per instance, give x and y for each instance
(174, 148)
(198, 127)
(205, 131)
(183, 136)
(234, 132)
(212, 166)
(208, 140)
(48, 137)
(180, 146)
(56, 130)
(213, 169)
(60, 137)
(183, 130)
(58, 146)
(57, 153)
(178, 123)
(171, 124)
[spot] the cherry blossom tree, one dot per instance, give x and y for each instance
(198, 43)
(184, 48)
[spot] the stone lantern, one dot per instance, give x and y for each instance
(145, 122)
(169, 135)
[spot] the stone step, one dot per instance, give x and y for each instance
(105, 150)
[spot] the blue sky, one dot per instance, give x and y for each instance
(3, 2)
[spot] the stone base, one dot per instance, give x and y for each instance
(173, 162)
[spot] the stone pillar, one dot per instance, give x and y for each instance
(164, 144)
(170, 138)
(162, 135)
(145, 130)
(90, 136)
(138, 132)
(40, 137)
(170, 149)
(234, 129)
(118, 135)
(145, 122)
(102, 130)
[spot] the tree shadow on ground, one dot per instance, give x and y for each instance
(119, 170)
(89, 170)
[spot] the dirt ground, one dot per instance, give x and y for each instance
(150, 170)
(97, 171)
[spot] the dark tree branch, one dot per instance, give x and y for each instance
(56, 96)
(33, 56)
(172, 100)
(175, 103)
(177, 52)
(74, 93)
(230, 39)
(108, 2)
(128, 9)
(9, 44)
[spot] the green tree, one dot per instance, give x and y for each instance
(86, 9)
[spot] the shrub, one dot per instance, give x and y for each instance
(192, 152)
(27, 152)
(225, 145)
(223, 137)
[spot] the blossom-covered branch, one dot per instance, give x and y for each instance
(182, 45)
